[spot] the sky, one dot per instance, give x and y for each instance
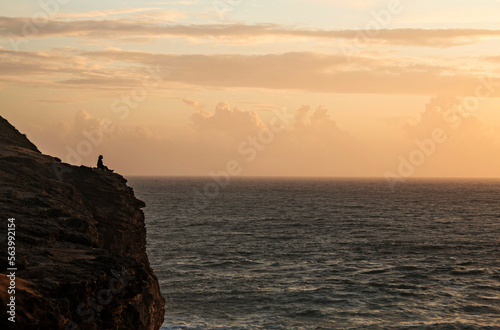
(391, 89)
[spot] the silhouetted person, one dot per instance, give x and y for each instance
(100, 165)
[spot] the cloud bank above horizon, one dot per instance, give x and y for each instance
(188, 86)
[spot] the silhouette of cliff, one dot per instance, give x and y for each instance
(80, 244)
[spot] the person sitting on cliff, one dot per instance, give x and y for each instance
(100, 165)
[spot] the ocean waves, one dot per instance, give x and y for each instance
(327, 254)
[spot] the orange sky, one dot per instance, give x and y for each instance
(279, 88)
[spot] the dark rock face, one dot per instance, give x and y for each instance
(80, 244)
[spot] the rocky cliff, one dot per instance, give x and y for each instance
(80, 257)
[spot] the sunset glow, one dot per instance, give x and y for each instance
(361, 88)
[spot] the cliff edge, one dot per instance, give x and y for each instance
(80, 245)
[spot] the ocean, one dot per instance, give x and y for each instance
(324, 253)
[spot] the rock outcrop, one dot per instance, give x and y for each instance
(80, 245)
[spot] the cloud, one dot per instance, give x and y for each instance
(262, 106)
(311, 144)
(227, 122)
(356, 4)
(314, 144)
(184, 3)
(471, 148)
(443, 112)
(213, 140)
(102, 13)
(115, 69)
(84, 121)
(160, 16)
(309, 72)
(152, 24)
(193, 103)
(55, 101)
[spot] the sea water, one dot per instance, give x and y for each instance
(324, 253)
